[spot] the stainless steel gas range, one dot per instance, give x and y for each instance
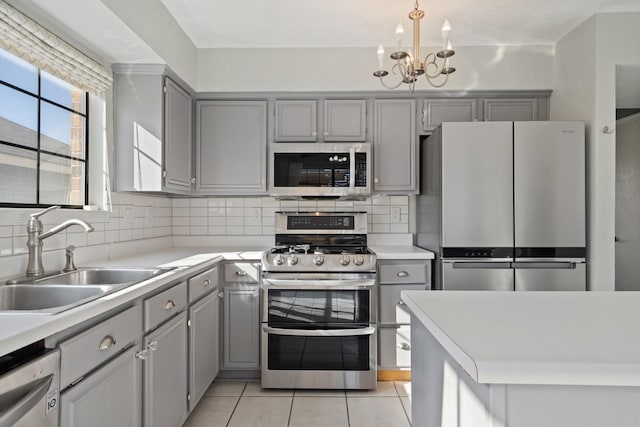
(319, 307)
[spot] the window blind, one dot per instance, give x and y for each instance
(27, 39)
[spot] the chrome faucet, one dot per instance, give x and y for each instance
(35, 236)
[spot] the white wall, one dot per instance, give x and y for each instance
(153, 23)
(584, 77)
(350, 69)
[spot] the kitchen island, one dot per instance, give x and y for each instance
(520, 359)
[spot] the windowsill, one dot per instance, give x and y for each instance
(16, 216)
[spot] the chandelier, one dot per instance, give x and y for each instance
(409, 66)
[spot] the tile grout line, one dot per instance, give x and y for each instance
(293, 396)
(346, 402)
(236, 405)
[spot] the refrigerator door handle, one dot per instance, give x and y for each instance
(482, 265)
(564, 265)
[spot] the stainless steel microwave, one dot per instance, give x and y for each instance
(340, 170)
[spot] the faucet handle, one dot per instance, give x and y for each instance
(70, 248)
(39, 214)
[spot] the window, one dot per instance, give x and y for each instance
(43, 137)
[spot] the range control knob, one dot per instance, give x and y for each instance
(358, 260)
(292, 260)
(344, 260)
(279, 259)
(318, 260)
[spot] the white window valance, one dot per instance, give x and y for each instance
(27, 39)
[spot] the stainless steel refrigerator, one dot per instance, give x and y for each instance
(502, 204)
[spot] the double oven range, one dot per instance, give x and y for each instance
(319, 303)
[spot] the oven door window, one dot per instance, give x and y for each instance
(317, 170)
(318, 353)
(317, 308)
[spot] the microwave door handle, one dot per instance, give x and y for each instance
(352, 168)
(320, 332)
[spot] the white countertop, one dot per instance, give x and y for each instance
(401, 252)
(568, 338)
(20, 329)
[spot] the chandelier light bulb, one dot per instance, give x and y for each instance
(446, 29)
(380, 56)
(449, 47)
(399, 30)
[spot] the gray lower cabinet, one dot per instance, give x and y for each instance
(231, 147)
(394, 330)
(165, 374)
(203, 346)
(395, 154)
(241, 337)
(108, 397)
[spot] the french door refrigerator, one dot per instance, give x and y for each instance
(503, 205)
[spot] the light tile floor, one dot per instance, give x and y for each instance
(246, 404)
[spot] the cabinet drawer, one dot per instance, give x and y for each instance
(98, 344)
(159, 308)
(392, 309)
(407, 272)
(202, 284)
(394, 347)
(242, 272)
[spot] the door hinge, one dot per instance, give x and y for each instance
(164, 89)
(164, 174)
(189, 323)
(188, 397)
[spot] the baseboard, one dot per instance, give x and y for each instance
(395, 375)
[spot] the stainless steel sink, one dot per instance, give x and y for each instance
(48, 299)
(59, 292)
(101, 276)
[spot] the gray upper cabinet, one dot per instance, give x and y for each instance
(178, 119)
(436, 111)
(152, 130)
(231, 147)
(345, 120)
(510, 109)
(394, 145)
(296, 120)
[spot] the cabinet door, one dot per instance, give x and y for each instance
(165, 374)
(231, 147)
(345, 120)
(510, 109)
(296, 120)
(394, 347)
(395, 149)
(178, 137)
(203, 346)
(111, 396)
(436, 111)
(241, 340)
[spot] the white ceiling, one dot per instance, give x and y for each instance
(363, 23)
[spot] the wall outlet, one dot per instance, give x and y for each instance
(395, 215)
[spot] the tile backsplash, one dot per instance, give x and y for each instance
(254, 216)
(137, 217)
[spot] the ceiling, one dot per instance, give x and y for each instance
(365, 23)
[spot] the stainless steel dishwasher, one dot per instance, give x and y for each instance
(29, 393)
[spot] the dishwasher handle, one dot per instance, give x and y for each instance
(15, 411)
(482, 265)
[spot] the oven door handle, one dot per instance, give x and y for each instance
(320, 332)
(317, 284)
(352, 168)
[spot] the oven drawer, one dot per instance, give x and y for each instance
(203, 283)
(395, 347)
(405, 272)
(242, 272)
(392, 309)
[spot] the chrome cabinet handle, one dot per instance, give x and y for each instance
(106, 343)
(142, 354)
(404, 346)
(170, 304)
(153, 345)
(241, 273)
(401, 303)
(403, 274)
(220, 294)
(206, 282)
